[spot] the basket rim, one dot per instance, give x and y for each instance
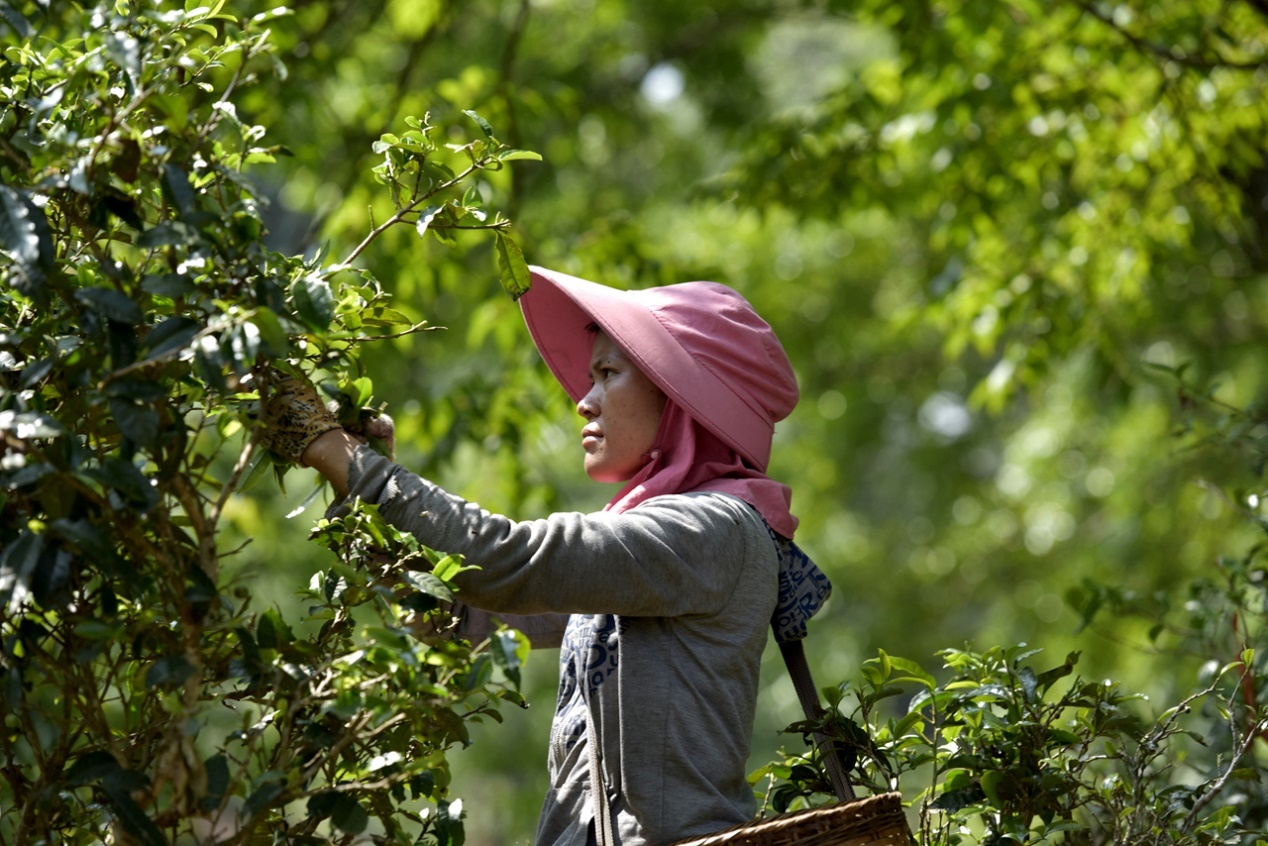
(865, 806)
(876, 805)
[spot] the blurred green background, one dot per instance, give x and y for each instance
(982, 231)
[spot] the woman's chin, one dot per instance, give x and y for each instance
(606, 475)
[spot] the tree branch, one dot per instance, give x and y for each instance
(1168, 52)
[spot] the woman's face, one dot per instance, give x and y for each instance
(622, 410)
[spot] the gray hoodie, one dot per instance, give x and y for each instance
(670, 606)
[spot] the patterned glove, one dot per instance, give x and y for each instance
(293, 416)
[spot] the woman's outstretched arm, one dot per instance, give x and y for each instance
(330, 454)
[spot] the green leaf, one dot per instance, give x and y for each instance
(217, 767)
(175, 333)
(171, 234)
(1063, 825)
(90, 768)
(133, 819)
(137, 422)
(169, 671)
(512, 269)
(991, 780)
(483, 124)
(27, 425)
(128, 480)
(320, 805)
(449, 828)
(25, 238)
(451, 565)
(200, 590)
(263, 797)
(314, 302)
(111, 304)
(952, 801)
(276, 343)
(170, 285)
(90, 538)
(244, 346)
(19, 23)
(909, 669)
(96, 630)
(347, 815)
(1048, 678)
(1029, 684)
(271, 631)
(125, 51)
(519, 155)
(177, 188)
(504, 646)
(1063, 737)
(425, 218)
(18, 238)
(384, 316)
(210, 362)
(17, 564)
(431, 585)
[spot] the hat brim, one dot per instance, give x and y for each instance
(558, 308)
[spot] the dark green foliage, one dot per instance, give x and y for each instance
(1001, 754)
(141, 310)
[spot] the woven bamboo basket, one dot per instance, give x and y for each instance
(872, 821)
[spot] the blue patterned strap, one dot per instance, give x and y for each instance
(803, 588)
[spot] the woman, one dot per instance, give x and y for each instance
(671, 588)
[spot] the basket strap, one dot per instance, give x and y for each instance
(795, 659)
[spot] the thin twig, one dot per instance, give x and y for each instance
(397, 218)
(1242, 748)
(499, 226)
(244, 458)
(416, 328)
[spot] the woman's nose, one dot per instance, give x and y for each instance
(588, 406)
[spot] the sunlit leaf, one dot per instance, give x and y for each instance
(512, 268)
(519, 155)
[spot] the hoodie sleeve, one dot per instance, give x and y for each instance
(651, 561)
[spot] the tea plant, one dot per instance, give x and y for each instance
(145, 699)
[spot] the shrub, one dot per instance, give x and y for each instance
(1000, 752)
(145, 699)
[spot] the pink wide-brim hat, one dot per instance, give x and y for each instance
(699, 342)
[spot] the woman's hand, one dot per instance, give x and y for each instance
(305, 431)
(293, 416)
(330, 454)
(373, 427)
